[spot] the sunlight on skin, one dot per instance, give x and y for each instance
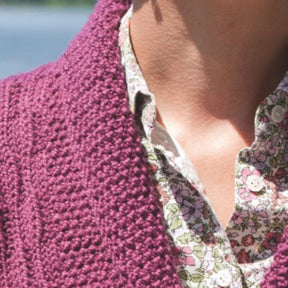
(209, 64)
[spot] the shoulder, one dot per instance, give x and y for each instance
(18, 83)
(24, 104)
(93, 51)
(22, 90)
(88, 71)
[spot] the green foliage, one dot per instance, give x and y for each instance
(50, 2)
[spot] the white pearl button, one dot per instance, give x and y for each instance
(255, 183)
(224, 278)
(277, 113)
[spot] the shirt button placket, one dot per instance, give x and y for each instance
(255, 183)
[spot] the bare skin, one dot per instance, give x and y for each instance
(209, 64)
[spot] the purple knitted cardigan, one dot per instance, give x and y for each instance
(77, 205)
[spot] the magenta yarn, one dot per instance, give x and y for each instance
(277, 276)
(77, 204)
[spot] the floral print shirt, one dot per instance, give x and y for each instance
(206, 255)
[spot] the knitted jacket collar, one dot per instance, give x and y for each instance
(77, 204)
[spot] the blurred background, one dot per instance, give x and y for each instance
(34, 32)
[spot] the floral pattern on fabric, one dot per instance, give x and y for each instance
(206, 255)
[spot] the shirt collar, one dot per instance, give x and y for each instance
(141, 100)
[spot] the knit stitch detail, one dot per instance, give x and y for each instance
(77, 201)
(277, 276)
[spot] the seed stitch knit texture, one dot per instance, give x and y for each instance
(77, 205)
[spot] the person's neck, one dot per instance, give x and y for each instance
(210, 60)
